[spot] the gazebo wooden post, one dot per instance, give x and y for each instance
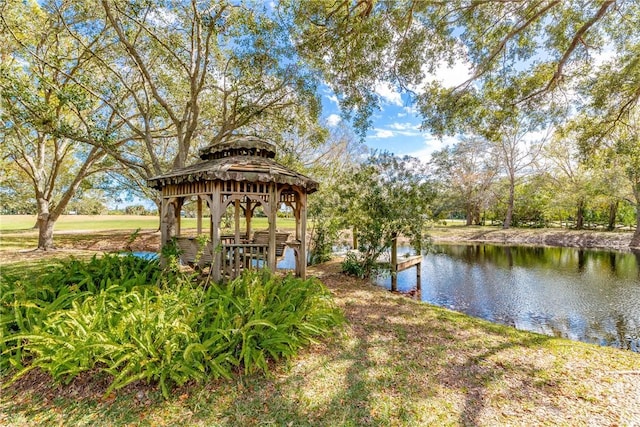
(216, 217)
(178, 203)
(394, 262)
(199, 219)
(296, 250)
(236, 219)
(164, 225)
(301, 230)
(248, 214)
(272, 215)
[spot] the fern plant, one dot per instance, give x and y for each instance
(166, 332)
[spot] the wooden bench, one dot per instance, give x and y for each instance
(190, 251)
(262, 238)
(235, 257)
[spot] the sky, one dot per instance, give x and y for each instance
(396, 126)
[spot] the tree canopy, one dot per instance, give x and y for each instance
(136, 88)
(146, 84)
(523, 56)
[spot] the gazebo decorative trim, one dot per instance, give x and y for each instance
(242, 173)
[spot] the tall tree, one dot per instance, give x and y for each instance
(618, 146)
(148, 83)
(186, 74)
(468, 169)
(573, 180)
(517, 155)
(44, 112)
(387, 196)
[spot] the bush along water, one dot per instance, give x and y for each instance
(165, 329)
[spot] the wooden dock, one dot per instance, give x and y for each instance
(404, 264)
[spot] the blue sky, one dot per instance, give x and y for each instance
(396, 126)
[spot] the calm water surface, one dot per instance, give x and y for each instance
(591, 296)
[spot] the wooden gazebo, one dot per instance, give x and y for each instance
(234, 178)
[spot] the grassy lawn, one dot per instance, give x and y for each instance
(23, 223)
(17, 232)
(398, 362)
(81, 222)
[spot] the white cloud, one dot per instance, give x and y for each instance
(424, 154)
(162, 17)
(383, 133)
(388, 94)
(603, 56)
(405, 126)
(333, 98)
(452, 76)
(397, 129)
(431, 144)
(333, 120)
(448, 76)
(458, 74)
(411, 110)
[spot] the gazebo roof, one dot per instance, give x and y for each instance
(247, 159)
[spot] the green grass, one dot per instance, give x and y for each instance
(22, 223)
(81, 222)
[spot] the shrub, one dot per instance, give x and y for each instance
(26, 304)
(360, 265)
(269, 317)
(173, 333)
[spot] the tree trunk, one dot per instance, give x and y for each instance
(635, 240)
(613, 213)
(45, 234)
(580, 215)
(45, 223)
(476, 215)
(354, 237)
(469, 215)
(509, 217)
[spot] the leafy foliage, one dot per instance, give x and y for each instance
(135, 322)
(357, 265)
(520, 55)
(25, 305)
(386, 197)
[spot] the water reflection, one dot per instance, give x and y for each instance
(591, 296)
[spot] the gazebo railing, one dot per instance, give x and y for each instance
(236, 257)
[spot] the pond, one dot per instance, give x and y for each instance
(584, 295)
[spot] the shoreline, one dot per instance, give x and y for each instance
(554, 237)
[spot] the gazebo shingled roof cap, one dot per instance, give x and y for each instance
(239, 159)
